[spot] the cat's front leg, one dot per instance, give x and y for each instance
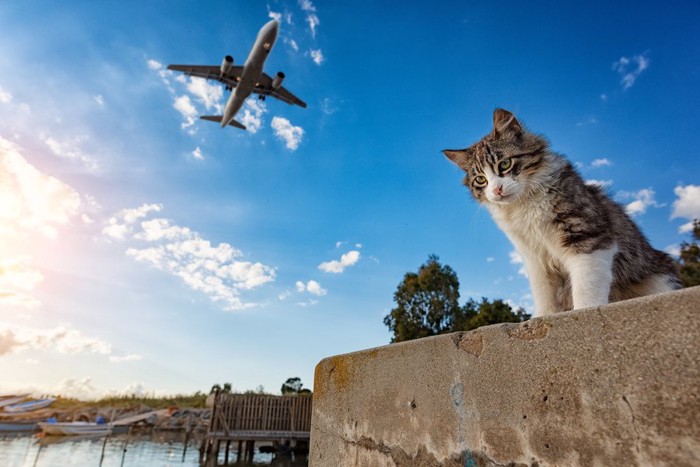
(591, 277)
(543, 292)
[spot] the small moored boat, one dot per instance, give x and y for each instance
(9, 400)
(17, 427)
(75, 428)
(29, 405)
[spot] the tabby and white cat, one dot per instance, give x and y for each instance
(579, 247)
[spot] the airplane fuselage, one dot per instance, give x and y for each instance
(252, 70)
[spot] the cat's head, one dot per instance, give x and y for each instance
(505, 165)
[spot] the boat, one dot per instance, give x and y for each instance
(75, 428)
(29, 405)
(18, 427)
(9, 400)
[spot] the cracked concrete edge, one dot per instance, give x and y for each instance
(400, 398)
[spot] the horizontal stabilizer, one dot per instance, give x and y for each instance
(217, 118)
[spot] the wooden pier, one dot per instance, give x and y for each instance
(247, 418)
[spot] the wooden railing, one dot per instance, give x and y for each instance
(261, 413)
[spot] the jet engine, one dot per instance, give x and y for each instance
(277, 80)
(226, 65)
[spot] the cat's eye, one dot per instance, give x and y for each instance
(505, 164)
(480, 181)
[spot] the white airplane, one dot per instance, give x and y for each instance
(246, 79)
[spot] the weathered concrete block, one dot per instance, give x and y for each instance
(617, 385)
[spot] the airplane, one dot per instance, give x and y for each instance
(245, 80)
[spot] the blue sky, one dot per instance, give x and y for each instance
(142, 249)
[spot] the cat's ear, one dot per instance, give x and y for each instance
(458, 156)
(505, 122)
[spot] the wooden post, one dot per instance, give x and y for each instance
(228, 447)
(240, 453)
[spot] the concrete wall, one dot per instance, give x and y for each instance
(611, 386)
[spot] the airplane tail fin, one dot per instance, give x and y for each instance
(217, 118)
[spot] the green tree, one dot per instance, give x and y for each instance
(484, 313)
(689, 263)
(427, 302)
(294, 386)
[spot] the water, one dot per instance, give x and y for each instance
(158, 449)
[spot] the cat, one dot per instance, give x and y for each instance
(579, 247)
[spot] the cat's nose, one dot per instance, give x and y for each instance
(498, 190)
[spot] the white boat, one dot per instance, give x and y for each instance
(29, 406)
(9, 400)
(75, 428)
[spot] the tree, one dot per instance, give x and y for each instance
(294, 386)
(427, 302)
(690, 258)
(428, 305)
(485, 313)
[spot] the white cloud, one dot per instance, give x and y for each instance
(327, 107)
(119, 226)
(317, 56)
(630, 69)
(311, 287)
(252, 114)
(673, 250)
(208, 94)
(346, 260)
(601, 163)
(197, 154)
(642, 200)
(31, 201)
(290, 134)
(4, 95)
(60, 339)
(70, 149)
(292, 43)
(516, 258)
(183, 104)
(17, 281)
(315, 288)
(275, 15)
(125, 358)
(306, 5)
(284, 295)
(600, 183)
(213, 270)
(687, 205)
(100, 100)
(313, 21)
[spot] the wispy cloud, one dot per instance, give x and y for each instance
(5, 96)
(687, 206)
(311, 287)
(70, 149)
(197, 154)
(32, 202)
(642, 200)
(336, 267)
(601, 163)
(600, 183)
(517, 259)
(630, 68)
(213, 270)
(317, 56)
(125, 358)
(60, 339)
(252, 114)
(311, 17)
(183, 104)
(290, 134)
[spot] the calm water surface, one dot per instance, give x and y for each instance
(157, 450)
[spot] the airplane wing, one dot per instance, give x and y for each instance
(212, 72)
(264, 87)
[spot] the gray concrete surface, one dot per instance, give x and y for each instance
(617, 385)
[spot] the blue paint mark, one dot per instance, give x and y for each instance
(469, 461)
(457, 393)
